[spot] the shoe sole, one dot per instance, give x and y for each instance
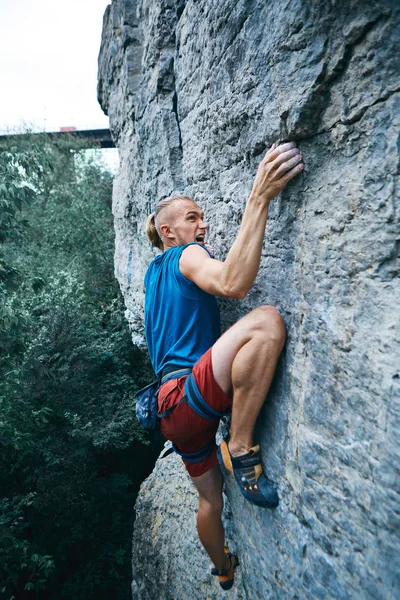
(224, 457)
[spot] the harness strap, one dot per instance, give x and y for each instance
(197, 402)
(167, 374)
(195, 457)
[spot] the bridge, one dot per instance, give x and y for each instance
(101, 137)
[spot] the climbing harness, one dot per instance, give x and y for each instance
(147, 410)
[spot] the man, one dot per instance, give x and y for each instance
(205, 375)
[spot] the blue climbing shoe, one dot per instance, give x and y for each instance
(248, 472)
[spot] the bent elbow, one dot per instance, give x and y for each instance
(241, 294)
(233, 286)
(235, 292)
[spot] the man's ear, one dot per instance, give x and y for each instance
(166, 231)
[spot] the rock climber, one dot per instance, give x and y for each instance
(204, 374)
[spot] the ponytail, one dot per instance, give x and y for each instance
(152, 232)
(151, 229)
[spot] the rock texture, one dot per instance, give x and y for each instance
(196, 91)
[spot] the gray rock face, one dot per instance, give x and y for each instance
(196, 91)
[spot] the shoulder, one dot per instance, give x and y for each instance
(193, 256)
(195, 250)
(155, 261)
(197, 264)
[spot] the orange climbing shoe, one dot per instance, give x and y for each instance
(226, 576)
(248, 472)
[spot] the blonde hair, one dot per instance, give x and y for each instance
(152, 229)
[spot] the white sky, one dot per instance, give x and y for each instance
(48, 63)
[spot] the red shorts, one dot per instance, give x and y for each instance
(183, 426)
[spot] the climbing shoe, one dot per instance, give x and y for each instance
(226, 576)
(248, 472)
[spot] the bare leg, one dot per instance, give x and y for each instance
(209, 524)
(244, 359)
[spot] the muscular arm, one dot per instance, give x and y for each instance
(234, 277)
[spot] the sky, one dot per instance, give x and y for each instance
(48, 64)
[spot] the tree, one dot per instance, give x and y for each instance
(72, 454)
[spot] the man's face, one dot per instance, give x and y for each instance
(185, 224)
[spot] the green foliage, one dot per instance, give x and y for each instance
(71, 453)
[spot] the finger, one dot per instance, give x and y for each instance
(292, 173)
(271, 148)
(281, 149)
(288, 164)
(284, 157)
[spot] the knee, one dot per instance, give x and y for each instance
(271, 324)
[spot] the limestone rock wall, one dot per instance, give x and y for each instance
(196, 91)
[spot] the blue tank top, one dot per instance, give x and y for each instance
(181, 320)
